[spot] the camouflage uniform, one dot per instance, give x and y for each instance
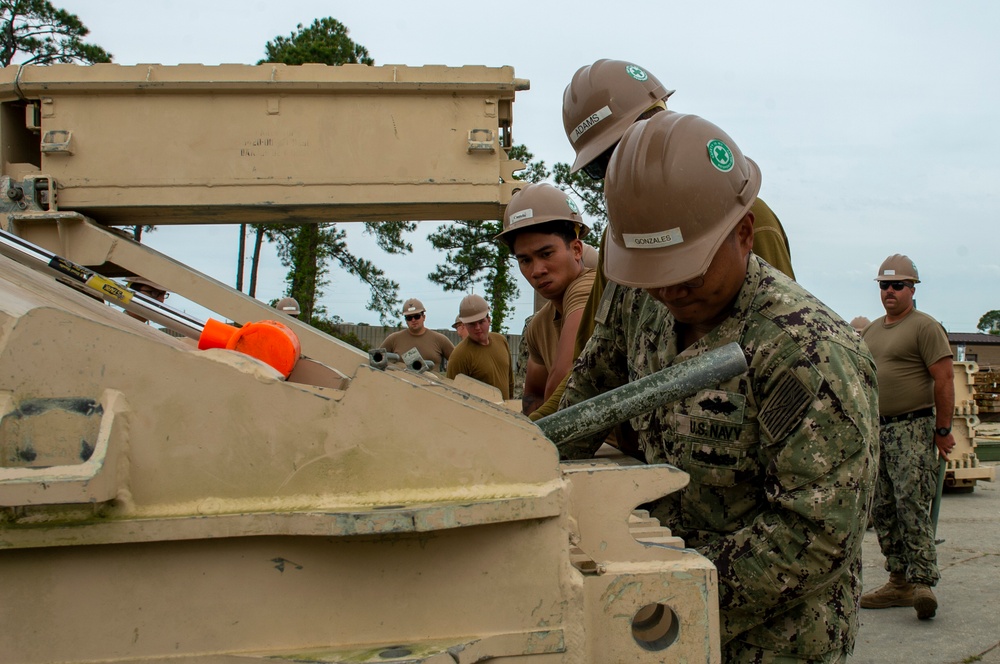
(521, 364)
(782, 459)
(908, 481)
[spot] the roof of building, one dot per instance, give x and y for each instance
(974, 338)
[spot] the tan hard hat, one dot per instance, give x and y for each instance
(898, 268)
(859, 323)
(677, 185)
(590, 256)
(600, 103)
(457, 322)
(473, 308)
(288, 305)
(143, 281)
(413, 306)
(540, 203)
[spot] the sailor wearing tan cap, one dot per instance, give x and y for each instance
(542, 228)
(483, 355)
(433, 346)
(916, 403)
(782, 458)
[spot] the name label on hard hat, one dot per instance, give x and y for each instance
(587, 124)
(653, 240)
(888, 273)
(527, 213)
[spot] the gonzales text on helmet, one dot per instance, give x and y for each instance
(602, 101)
(536, 204)
(677, 186)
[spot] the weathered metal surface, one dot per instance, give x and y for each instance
(154, 144)
(963, 470)
(213, 483)
(109, 290)
(379, 358)
(160, 503)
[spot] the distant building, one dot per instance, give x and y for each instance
(983, 349)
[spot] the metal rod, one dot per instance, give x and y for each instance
(936, 503)
(78, 276)
(641, 396)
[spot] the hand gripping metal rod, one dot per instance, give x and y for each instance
(641, 396)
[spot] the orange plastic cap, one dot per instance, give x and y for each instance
(215, 334)
(269, 341)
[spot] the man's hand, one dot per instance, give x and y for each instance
(945, 445)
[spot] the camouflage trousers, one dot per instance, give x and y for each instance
(907, 481)
(735, 652)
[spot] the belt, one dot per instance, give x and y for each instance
(912, 415)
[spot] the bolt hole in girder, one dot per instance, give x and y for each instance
(395, 652)
(655, 627)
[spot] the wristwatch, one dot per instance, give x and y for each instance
(942, 431)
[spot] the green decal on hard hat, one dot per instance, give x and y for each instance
(720, 155)
(572, 206)
(636, 73)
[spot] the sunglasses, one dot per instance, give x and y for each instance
(894, 285)
(413, 316)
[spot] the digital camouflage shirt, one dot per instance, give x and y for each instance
(781, 458)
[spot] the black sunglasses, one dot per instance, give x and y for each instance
(894, 285)
(412, 316)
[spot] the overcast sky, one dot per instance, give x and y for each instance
(874, 123)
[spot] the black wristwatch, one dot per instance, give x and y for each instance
(942, 431)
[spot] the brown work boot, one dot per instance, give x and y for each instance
(924, 601)
(897, 592)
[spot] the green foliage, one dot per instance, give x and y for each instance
(307, 250)
(47, 35)
(328, 325)
(472, 257)
(590, 192)
(326, 41)
(990, 322)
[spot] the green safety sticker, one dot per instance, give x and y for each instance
(572, 206)
(637, 73)
(720, 155)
